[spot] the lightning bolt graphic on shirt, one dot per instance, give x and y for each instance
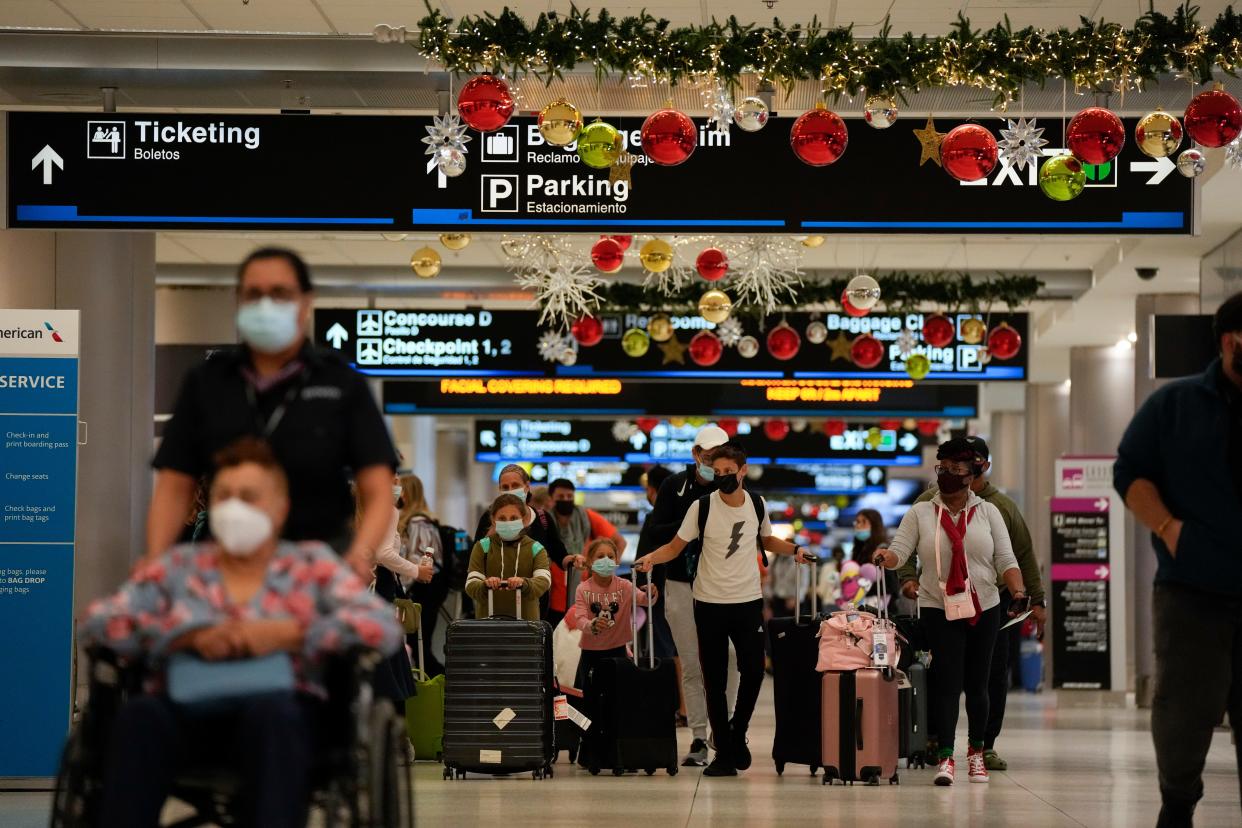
(737, 537)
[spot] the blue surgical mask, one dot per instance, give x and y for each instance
(509, 529)
(269, 326)
(707, 473)
(863, 535)
(604, 567)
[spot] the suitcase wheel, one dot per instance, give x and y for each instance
(461, 774)
(672, 770)
(827, 780)
(594, 771)
(875, 780)
(780, 768)
(618, 771)
(448, 773)
(651, 771)
(814, 769)
(896, 780)
(536, 775)
(549, 772)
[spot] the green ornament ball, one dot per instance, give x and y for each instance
(635, 342)
(918, 366)
(1062, 178)
(875, 438)
(599, 144)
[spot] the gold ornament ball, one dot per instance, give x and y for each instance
(656, 255)
(1158, 134)
(455, 241)
(635, 342)
(660, 327)
(677, 422)
(909, 424)
(425, 262)
(813, 241)
(560, 122)
(515, 248)
(715, 306)
(973, 331)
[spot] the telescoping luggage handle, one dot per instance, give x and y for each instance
(814, 593)
(491, 612)
(650, 623)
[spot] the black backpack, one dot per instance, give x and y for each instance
(694, 549)
(455, 546)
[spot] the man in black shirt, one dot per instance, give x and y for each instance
(676, 495)
(315, 411)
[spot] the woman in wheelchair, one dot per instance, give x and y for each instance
(235, 632)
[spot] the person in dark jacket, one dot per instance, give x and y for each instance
(1179, 468)
(541, 527)
(676, 495)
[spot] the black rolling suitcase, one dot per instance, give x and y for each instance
(912, 715)
(796, 686)
(634, 710)
(498, 697)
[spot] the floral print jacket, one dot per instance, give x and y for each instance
(183, 591)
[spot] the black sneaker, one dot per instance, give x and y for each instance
(720, 767)
(697, 757)
(741, 753)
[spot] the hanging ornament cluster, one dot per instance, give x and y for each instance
(485, 103)
(446, 142)
(599, 145)
(1213, 118)
(669, 137)
(880, 111)
(751, 114)
(819, 137)
(560, 122)
(969, 152)
(1158, 134)
(1095, 135)
(1021, 144)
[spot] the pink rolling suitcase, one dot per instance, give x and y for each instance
(860, 726)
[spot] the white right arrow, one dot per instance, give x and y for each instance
(47, 157)
(336, 335)
(1101, 505)
(1161, 167)
(908, 441)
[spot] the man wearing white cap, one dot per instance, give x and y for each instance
(676, 495)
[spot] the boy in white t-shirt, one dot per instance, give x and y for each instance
(728, 599)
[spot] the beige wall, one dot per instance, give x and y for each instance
(194, 316)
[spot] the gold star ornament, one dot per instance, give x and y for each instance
(929, 140)
(673, 351)
(621, 168)
(840, 346)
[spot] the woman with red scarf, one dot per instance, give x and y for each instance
(963, 541)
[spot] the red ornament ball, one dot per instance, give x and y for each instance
(588, 331)
(819, 137)
(968, 152)
(485, 103)
(669, 137)
(729, 425)
(890, 425)
(705, 348)
(834, 428)
(1004, 342)
(867, 351)
(608, 255)
(1214, 118)
(624, 241)
(783, 342)
(776, 430)
(1095, 136)
(928, 428)
(938, 330)
(712, 264)
(849, 308)
(647, 424)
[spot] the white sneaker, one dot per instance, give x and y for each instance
(945, 772)
(978, 769)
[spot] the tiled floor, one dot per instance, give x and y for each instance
(1071, 766)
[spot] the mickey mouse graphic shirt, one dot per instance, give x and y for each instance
(611, 603)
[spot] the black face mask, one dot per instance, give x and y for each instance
(728, 484)
(565, 508)
(951, 483)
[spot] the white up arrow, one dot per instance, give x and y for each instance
(47, 157)
(336, 335)
(1161, 167)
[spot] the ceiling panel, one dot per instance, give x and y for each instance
(35, 13)
(262, 15)
(134, 14)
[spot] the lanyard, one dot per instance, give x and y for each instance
(269, 427)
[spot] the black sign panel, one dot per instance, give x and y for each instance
(482, 343)
(611, 397)
(564, 440)
(299, 172)
(1080, 600)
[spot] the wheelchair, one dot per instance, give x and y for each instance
(361, 776)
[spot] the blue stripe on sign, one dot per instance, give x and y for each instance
(47, 212)
(850, 461)
(466, 217)
(1129, 221)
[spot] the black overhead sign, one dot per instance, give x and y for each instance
(498, 344)
(299, 172)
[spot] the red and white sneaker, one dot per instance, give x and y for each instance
(978, 769)
(945, 772)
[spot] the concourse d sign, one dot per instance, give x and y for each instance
(316, 172)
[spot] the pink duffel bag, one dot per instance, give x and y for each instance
(847, 639)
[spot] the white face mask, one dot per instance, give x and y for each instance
(397, 492)
(269, 326)
(519, 492)
(239, 527)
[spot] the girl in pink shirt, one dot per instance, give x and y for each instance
(603, 609)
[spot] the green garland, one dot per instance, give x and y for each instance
(900, 290)
(1095, 54)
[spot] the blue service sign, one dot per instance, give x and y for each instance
(38, 496)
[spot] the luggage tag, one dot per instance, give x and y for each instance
(577, 717)
(560, 707)
(880, 648)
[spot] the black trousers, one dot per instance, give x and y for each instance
(999, 681)
(268, 740)
(717, 625)
(1198, 640)
(431, 596)
(961, 662)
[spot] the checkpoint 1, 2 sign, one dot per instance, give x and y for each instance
(492, 344)
(178, 170)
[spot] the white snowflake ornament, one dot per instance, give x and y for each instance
(1022, 143)
(721, 107)
(730, 332)
(446, 132)
(906, 343)
(553, 344)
